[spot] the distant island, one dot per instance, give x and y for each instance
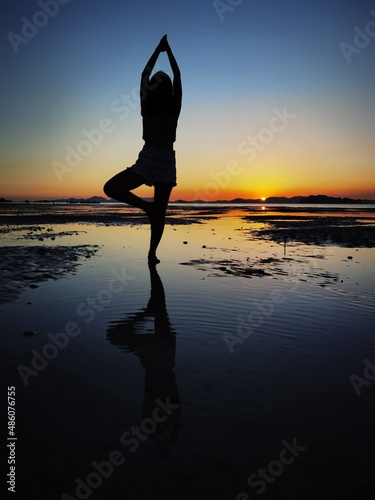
(310, 200)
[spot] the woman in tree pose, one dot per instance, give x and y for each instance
(156, 164)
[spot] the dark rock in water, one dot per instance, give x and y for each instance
(254, 272)
(33, 286)
(230, 267)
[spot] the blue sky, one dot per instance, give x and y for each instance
(236, 67)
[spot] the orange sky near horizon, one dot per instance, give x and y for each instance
(288, 166)
(207, 191)
(246, 160)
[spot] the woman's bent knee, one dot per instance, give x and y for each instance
(107, 188)
(127, 180)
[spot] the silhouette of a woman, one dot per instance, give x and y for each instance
(156, 164)
(157, 352)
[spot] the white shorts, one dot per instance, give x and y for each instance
(156, 165)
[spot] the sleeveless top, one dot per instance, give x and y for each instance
(159, 127)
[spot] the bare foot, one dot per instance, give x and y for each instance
(153, 260)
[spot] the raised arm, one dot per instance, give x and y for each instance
(146, 73)
(163, 46)
(177, 86)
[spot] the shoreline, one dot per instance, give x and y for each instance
(40, 255)
(307, 225)
(189, 213)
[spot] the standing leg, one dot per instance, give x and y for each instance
(157, 217)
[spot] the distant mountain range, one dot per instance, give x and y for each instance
(312, 199)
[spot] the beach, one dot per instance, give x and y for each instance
(241, 366)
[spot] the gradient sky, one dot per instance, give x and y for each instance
(242, 63)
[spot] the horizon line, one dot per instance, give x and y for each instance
(102, 199)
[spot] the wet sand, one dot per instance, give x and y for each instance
(343, 231)
(23, 266)
(250, 329)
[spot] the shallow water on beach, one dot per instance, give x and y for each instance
(256, 360)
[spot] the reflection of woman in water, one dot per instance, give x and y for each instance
(157, 352)
(156, 163)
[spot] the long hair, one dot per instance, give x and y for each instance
(159, 97)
